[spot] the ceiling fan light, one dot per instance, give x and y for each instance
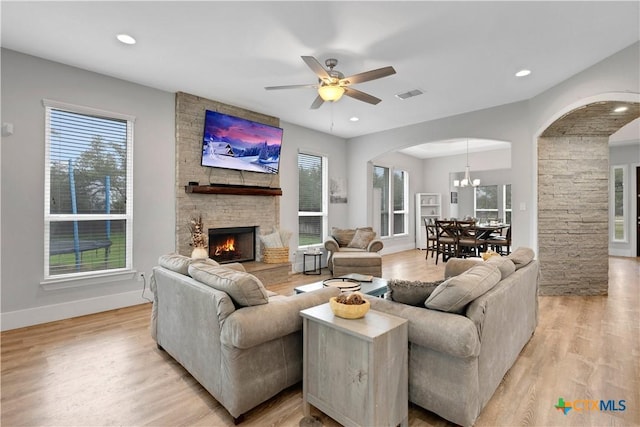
(330, 92)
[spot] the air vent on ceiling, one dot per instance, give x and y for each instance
(410, 94)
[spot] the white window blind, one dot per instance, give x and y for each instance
(312, 195)
(88, 191)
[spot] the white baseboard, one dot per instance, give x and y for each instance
(620, 252)
(51, 313)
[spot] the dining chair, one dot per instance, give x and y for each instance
(447, 240)
(469, 243)
(432, 237)
(501, 243)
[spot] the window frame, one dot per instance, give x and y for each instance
(324, 213)
(612, 205)
(88, 277)
(390, 205)
(475, 201)
(505, 209)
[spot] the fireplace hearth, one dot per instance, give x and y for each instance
(232, 244)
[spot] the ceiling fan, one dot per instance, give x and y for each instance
(332, 84)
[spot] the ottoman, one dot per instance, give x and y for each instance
(369, 263)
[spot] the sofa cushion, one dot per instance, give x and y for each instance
(504, 264)
(456, 266)
(411, 292)
(180, 263)
(455, 293)
(244, 289)
(362, 238)
(343, 236)
(521, 257)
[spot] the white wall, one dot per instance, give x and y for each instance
(437, 172)
(299, 139)
(26, 80)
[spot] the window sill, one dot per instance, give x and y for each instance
(88, 280)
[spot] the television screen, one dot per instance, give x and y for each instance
(235, 143)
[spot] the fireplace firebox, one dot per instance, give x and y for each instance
(232, 244)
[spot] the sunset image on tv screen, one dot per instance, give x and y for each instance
(235, 143)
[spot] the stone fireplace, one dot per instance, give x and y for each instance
(233, 206)
(232, 244)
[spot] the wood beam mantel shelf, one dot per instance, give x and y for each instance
(238, 190)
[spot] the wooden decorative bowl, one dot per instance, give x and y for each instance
(349, 311)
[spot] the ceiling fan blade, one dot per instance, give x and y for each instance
(368, 75)
(361, 96)
(316, 67)
(317, 103)
(290, 87)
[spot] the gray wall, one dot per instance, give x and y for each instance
(615, 78)
(26, 80)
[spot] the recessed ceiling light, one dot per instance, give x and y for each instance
(523, 73)
(621, 109)
(354, 119)
(126, 39)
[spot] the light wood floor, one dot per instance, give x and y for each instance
(105, 370)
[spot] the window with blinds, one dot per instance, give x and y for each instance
(312, 199)
(88, 191)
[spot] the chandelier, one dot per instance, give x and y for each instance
(467, 175)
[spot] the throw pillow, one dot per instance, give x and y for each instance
(455, 293)
(505, 265)
(411, 292)
(180, 263)
(272, 240)
(343, 237)
(243, 288)
(521, 257)
(175, 262)
(361, 239)
(456, 266)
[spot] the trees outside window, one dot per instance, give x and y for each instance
(88, 191)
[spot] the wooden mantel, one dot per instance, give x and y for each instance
(239, 190)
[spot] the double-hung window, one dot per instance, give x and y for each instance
(88, 191)
(312, 199)
(486, 203)
(390, 189)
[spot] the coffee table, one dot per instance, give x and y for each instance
(376, 288)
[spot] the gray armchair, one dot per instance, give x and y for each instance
(352, 245)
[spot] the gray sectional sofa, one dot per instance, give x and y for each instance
(468, 333)
(242, 342)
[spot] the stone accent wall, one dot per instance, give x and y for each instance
(217, 210)
(573, 221)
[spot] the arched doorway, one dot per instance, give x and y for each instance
(573, 197)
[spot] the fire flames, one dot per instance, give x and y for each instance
(225, 247)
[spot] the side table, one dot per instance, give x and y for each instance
(355, 370)
(317, 263)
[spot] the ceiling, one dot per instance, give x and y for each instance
(462, 55)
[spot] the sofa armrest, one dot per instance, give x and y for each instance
(375, 245)
(448, 333)
(331, 244)
(250, 326)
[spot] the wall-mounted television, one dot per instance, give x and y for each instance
(235, 143)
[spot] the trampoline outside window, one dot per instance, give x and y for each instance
(88, 189)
